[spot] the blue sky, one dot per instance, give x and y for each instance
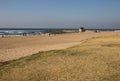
(60, 13)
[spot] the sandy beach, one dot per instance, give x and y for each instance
(16, 47)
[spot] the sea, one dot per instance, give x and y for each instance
(12, 32)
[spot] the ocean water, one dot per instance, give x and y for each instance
(39, 31)
(28, 31)
(20, 32)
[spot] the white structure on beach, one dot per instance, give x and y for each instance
(81, 29)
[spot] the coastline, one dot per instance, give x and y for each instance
(16, 47)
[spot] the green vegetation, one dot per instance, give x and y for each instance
(97, 59)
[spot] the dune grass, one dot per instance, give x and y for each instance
(97, 59)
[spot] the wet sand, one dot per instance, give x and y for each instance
(16, 47)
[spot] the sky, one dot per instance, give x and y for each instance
(60, 13)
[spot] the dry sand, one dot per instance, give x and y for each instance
(16, 47)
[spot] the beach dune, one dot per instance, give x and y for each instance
(16, 47)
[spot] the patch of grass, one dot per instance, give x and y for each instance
(111, 45)
(115, 77)
(112, 78)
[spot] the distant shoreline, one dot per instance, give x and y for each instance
(10, 32)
